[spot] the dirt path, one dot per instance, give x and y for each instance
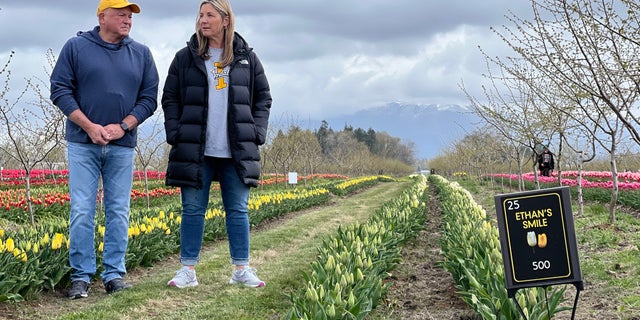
(422, 289)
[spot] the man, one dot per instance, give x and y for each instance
(546, 162)
(106, 84)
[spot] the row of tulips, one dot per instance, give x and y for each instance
(14, 177)
(347, 279)
(15, 174)
(33, 259)
(14, 199)
(471, 247)
(590, 179)
(351, 185)
(599, 191)
(54, 201)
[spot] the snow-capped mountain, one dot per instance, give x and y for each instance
(429, 127)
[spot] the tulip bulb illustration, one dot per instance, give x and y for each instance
(532, 240)
(542, 240)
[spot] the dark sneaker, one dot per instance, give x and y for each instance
(79, 289)
(116, 285)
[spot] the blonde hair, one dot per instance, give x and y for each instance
(224, 9)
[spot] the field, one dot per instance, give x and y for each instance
(286, 252)
(609, 253)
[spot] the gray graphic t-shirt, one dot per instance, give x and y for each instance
(217, 144)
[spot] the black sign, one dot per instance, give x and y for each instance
(537, 238)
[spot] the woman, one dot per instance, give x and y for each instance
(216, 103)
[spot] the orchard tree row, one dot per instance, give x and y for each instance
(572, 83)
(33, 138)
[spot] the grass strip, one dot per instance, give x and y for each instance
(280, 253)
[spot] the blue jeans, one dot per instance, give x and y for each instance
(235, 198)
(87, 163)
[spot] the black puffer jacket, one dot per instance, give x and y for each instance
(185, 104)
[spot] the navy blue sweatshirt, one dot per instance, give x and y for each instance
(106, 82)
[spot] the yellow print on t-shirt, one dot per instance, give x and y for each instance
(220, 74)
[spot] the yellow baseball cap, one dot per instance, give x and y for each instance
(104, 4)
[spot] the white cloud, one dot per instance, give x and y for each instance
(322, 58)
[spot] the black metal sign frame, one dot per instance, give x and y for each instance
(537, 238)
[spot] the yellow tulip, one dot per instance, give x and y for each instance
(352, 299)
(321, 292)
(330, 264)
(56, 243)
(10, 245)
(20, 255)
(343, 281)
(311, 293)
(331, 311)
(45, 240)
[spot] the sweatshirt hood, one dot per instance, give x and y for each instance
(94, 36)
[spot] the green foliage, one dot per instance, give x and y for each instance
(153, 234)
(347, 279)
(471, 247)
(470, 185)
(153, 247)
(630, 302)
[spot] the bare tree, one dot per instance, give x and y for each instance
(349, 154)
(583, 48)
(287, 149)
(149, 147)
(33, 129)
(270, 156)
(309, 151)
(387, 146)
(585, 148)
(512, 109)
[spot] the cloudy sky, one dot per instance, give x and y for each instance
(322, 58)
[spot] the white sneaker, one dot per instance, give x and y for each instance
(185, 277)
(246, 276)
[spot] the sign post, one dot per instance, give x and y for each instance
(537, 239)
